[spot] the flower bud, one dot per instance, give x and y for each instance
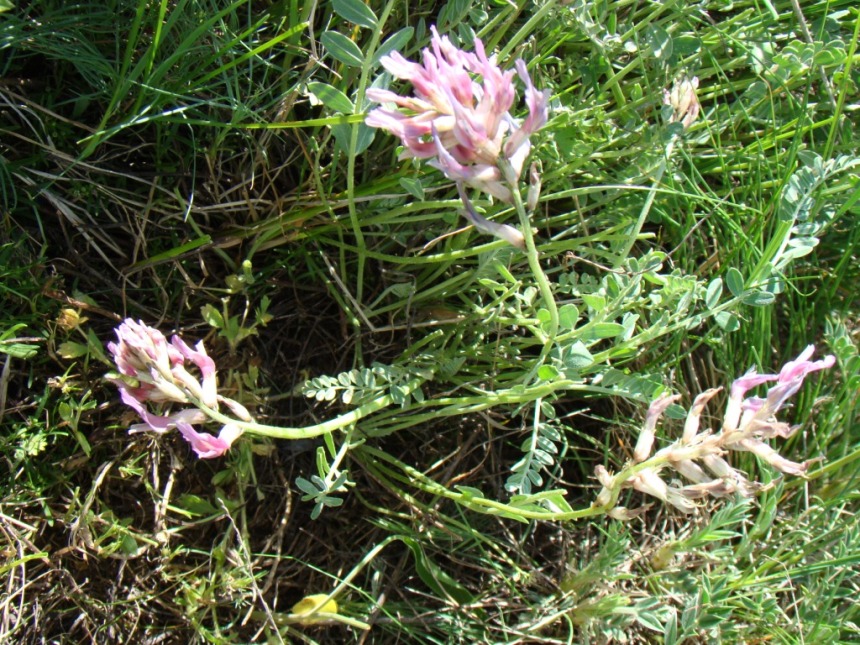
(236, 408)
(646, 437)
(534, 189)
(683, 100)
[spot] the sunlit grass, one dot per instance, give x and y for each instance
(204, 167)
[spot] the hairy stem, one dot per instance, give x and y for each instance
(280, 432)
(533, 257)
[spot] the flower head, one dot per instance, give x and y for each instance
(143, 354)
(155, 369)
(684, 101)
(154, 372)
(698, 456)
(459, 115)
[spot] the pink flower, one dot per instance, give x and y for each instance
(508, 233)
(157, 422)
(205, 390)
(691, 425)
(157, 371)
(648, 481)
(738, 390)
(143, 354)
(459, 116)
(789, 380)
(205, 445)
(646, 437)
(154, 371)
(698, 456)
(517, 145)
(772, 457)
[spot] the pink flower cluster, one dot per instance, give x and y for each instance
(698, 456)
(462, 124)
(155, 372)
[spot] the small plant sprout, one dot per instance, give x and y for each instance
(459, 120)
(681, 109)
(698, 457)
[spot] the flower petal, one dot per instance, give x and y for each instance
(207, 446)
(646, 437)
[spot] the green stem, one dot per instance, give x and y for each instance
(533, 257)
(334, 466)
(469, 500)
(280, 432)
(394, 421)
(523, 508)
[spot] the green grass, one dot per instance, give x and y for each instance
(204, 167)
